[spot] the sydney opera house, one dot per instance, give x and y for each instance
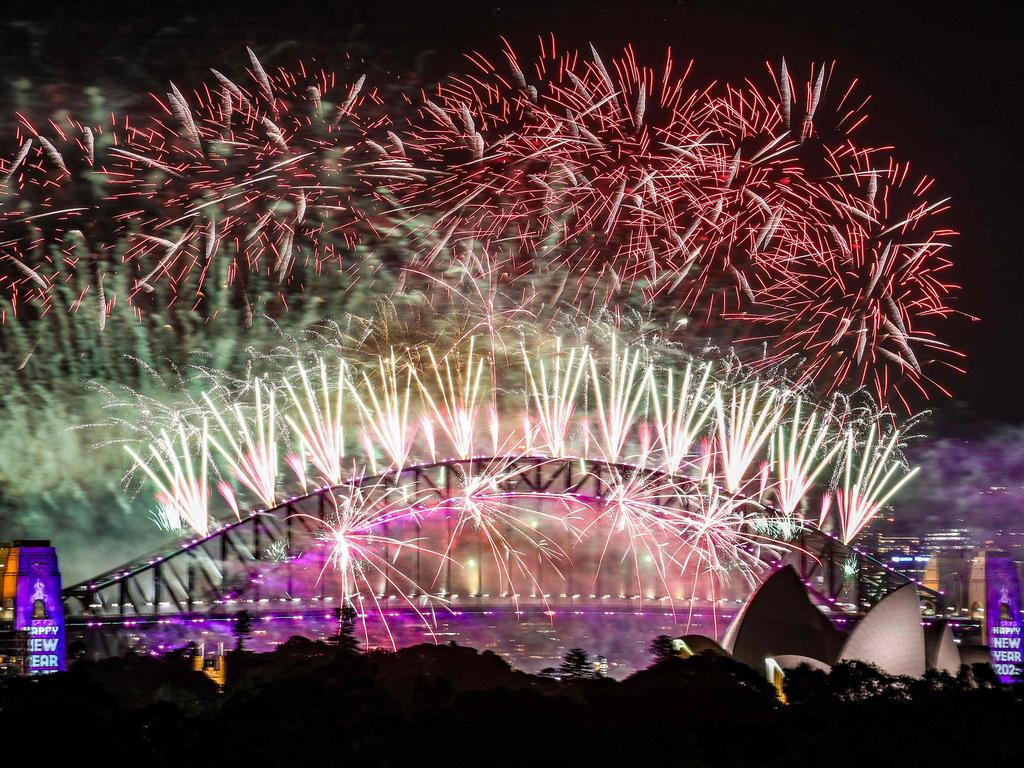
(780, 628)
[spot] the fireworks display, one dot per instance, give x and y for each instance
(750, 213)
(573, 190)
(694, 474)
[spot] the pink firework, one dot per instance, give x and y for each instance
(262, 181)
(262, 176)
(363, 555)
(46, 221)
(862, 314)
(567, 154)
(749, 214)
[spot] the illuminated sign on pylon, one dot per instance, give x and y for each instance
(38, 609)
(1002, 617)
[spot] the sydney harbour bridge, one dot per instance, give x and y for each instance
(275, 564)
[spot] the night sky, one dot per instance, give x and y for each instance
(945, 85)
(946, 92)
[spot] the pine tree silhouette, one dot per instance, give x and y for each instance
(346, 640)
(577, 665)
(663, 648)
(242, 629)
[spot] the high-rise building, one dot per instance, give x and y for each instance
(902, 553)
(912, 565)
(888, 545)
(1010, 540)
(949, 540)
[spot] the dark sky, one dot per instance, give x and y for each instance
(946, 85)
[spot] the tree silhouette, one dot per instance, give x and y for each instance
(346, 640)
(984, 676)
(576, 665)
(242, 629)
(663, 647)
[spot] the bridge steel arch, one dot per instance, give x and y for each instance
(261, 563)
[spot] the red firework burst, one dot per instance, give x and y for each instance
(43, 216)
(266, 180)
(861, 315)
(567, 157)
(268, 175)
(754, 211)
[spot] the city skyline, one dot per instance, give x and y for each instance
(579, 334)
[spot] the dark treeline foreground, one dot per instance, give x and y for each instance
(315, 704)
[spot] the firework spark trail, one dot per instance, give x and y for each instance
(617, 397)
(182, 492)
(251, 457)
(743, 431)
(554, 399)
(455, 405)
(575, 161)
(617, 180)
(645, 524)
(478, 290)
(647, 512)
(230, 174)
(230, 498)
(747, 432)
(266, 195)
(385, 408)
(718, 540)
(321, 425)
(857, 311)
(749, 232)
(605, 131)
(761, 215)
(480, 503)
(799, 459)
(867, 487)
(679, 416)
(362, 553)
